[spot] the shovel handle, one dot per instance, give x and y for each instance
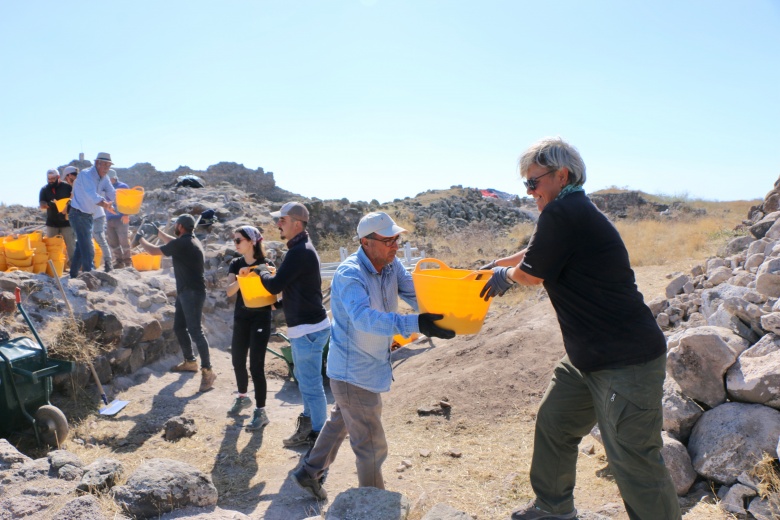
(18, 295)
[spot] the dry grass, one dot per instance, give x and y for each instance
(67, 340)
(653, 242)
(768, 476)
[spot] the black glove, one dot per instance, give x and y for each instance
(497, 285)
(425, 322)
(488, 267)
(138, 236)
(260, 269)
(52, 204)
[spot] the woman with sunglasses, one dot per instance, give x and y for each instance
(251, 329)
(615, 362)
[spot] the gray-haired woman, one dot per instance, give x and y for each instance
(614, 367)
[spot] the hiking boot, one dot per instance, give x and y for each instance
(207, 378)
(239, 404)
(301, 435)
(186, 366)
(531, 512)
(311, 439)
(108, 266)
(311, 485)
(259, 420)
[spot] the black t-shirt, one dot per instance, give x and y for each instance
(580, 256)
(188, 258)
(242, 311)
(50, 193)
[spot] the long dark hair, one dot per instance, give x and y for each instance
(259, 249)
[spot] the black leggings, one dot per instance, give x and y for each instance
(251, 334)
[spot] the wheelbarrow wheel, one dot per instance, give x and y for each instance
(52, 425)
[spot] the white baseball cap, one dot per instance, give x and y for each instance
(379, 223)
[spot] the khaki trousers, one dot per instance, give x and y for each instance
(626, 403)
(359, 413)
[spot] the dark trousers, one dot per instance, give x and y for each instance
(626, 403)
(250, 335)
(187, 326)
(85, 251)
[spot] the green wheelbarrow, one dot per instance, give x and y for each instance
(285, 355)
(25, 386)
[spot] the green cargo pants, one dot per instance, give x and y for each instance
(626, 403)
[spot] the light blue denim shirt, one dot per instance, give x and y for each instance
(364, 305)
(85, 196)
(106, 190)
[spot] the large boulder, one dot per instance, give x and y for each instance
(81, 508)
(369, 502)
(100, 475)
(162, 485)
(755, 377)
(10, 457)
(680, 411)
(768, 278)
(700, 358)
(733, 438)
(678, 462)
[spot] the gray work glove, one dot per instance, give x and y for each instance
(488, 267)
(425, 322)
(260, 269)
(497, 285)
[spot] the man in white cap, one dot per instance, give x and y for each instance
(84, 202)
(308, 327)
(118, 228)
(69, 174)
(56, 221)
(365, 318)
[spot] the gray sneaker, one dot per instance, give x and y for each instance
(259, 420)
(309, 484)
(301, 435)
(239, 404)
(531, 512)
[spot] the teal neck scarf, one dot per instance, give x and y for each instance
(568, 190)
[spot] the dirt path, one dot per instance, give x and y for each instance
(475, 457)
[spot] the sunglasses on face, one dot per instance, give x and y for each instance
(238, 240)
(533, 183)
(387, 241)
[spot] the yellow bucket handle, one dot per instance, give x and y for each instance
(473, 275)
(138, 188)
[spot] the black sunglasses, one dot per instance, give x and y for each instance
(238, 240)
(387, 241)
(532, 184)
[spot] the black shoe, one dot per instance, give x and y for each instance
(108, 267)
(311, 485)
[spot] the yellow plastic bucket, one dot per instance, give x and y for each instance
(40, 268)
(453, 293)
(98, 260)
(61, 204)
(11, 254)
(20, 261)
(146, 262)
(59, 265)
(253, 292)
(17, 245)
(128, 200)
(401, 341)
(54, 241)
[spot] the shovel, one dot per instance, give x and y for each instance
(115, 406)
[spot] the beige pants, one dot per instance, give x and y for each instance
(357, 412)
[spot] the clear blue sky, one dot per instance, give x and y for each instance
(378, 99)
